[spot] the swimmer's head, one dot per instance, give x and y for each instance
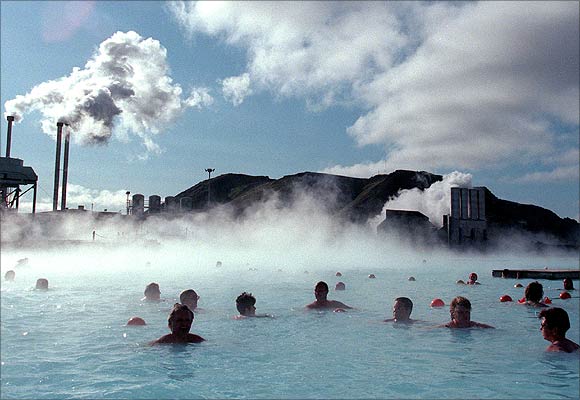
(460, 309)
(555, 319)
(245, 303)
(568, 285)
(136, 321)
(152, 291)
(534, 292)
(9, 275)
(189, 297)
(473, 277)
(340, 286)
(321, 290)
(402, 308)
(42, 284)
(180, 319)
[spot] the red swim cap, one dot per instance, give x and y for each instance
(565, 295)
(505, 298)
(437, 303)
(547, 300)
(136, 321)
(522, 300)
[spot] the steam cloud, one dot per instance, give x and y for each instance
(125, 84)
(427, 75)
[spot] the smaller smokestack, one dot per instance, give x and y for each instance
(57, 166)
(65, 168)
(10, 119)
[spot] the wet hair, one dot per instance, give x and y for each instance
(534, 292)
(321, 284)
(460, 301)
(188, 293)
(406, 302)
(568, 284)
(244, 301)
(556, 318)
(176, 308)
(42, 283)
(151, 288)
(9, 276)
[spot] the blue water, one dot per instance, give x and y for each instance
(72, 342)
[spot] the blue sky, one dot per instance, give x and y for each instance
(489, 89)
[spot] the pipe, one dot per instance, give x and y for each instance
(65, 169)
(34, 200)
(57, 166)
(10, 119)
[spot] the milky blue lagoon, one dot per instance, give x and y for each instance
(72, 342)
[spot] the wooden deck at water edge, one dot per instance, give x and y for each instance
(544, 273)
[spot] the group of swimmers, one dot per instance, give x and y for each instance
(554, 321)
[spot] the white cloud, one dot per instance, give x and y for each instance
(236, 88)
(199, 98)
(444, 85)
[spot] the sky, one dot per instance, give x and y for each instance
(156, 92)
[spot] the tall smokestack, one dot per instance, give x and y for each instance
(57, 166)
(65, 168)
(10, 119)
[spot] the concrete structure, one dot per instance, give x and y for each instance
(138, 207)
(466, 224)
(14, 174)
(411, 225)
(154, 204)
(171, 204)
(185, 204)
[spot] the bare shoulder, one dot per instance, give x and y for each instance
(480, 325)
(192, 338)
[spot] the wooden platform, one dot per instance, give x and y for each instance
(545, 273)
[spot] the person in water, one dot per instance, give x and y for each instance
(321, 302)
(179, 322)
(402, 311)
(533, 295)
(189, 297)
(555, 323)
(472, 279)
(42, 284)
(568, 284)
(152, 292)
(10, 275)
(246, 305)
(460, 311)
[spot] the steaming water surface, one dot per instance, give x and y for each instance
(72, 342)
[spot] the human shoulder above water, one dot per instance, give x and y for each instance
(402, 309)
(245, 303)
(321, 302)
(555, 323)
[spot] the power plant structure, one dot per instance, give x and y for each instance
(467, 223)
(13, 175)
(139, 206)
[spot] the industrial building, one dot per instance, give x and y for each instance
(466, 225)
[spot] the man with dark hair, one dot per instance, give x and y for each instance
(402, 311)
(179, 321)
(245, 303)
(460, 311)
(555, 323)
(533, 294)
(320, 293)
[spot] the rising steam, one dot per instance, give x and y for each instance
(125, 84)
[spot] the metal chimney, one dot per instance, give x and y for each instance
(65, 168)
(57, 166)
(10, 119)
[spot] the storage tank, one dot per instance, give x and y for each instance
(170, 204)
(154, 204)
(138, 204)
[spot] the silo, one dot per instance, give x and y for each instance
(138, 204)
(170, 204)
(185, 204)
(154, 204)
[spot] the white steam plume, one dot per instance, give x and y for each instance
(124, 85)
(434, 202)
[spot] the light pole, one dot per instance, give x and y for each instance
(209, 171)
(128, 201)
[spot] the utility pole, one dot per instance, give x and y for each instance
(128, 202)
(209, 171)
